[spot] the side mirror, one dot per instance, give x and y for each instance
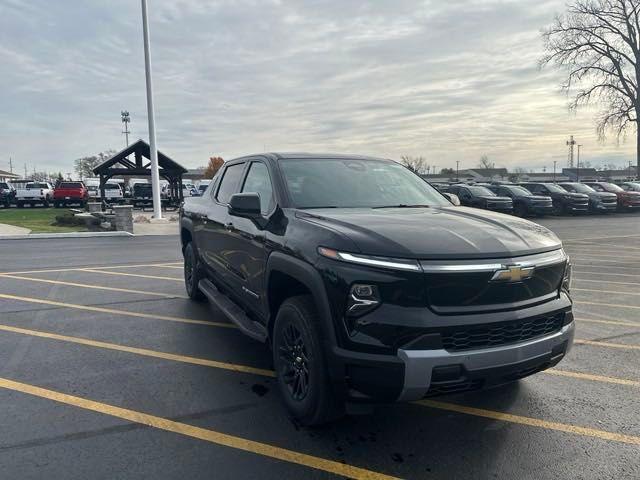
(245, 205)
(453, 198)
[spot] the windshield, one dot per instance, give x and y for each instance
(554, 188)
(481, 191)
(579, 187)
(519, 191)
(610, 187)
(346, 183)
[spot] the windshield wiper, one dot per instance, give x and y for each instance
(403, 205)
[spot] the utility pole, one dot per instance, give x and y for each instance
(457, 170)
(124, 114)
(571, 142)
(153, 151)
(25, 171)
(10, 165)
(555, 162)
(578, 172)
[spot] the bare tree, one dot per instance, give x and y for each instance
(485, 162)
(416, 164)
(597, 42)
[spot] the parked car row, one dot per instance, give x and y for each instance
(538, 199)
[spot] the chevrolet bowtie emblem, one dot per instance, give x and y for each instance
(513, 273)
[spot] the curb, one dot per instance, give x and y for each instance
(66, 235)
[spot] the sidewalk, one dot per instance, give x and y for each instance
(11, 230)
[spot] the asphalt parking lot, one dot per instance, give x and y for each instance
(107, 370)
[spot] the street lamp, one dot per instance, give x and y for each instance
(125, 120)
(457, 170)
(578, 170)
(153, 151)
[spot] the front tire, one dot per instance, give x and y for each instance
(192, 273)
(300, 365)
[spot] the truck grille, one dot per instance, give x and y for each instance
(502, 333)
(453, 292)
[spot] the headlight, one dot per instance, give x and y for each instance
(370, 261)
(566, 279)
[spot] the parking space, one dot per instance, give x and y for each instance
(107, 367)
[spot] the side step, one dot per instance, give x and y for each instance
(233, 311)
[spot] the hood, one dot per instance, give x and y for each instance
(578, 196)
(496, 199)
(603, 195)
(435, 233)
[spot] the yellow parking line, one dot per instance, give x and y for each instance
(269, 373)
(96, 287)
(616, 292)
(620, 255)
(606, 274)
(609, 322)
(605, 282)
(74, 269)
(607, 344)
(139, 275)
(594, 378)
(113, 311)
(614, 305)
(212, 436)
(615, 264)
(532, 422)
(139, 351)
(599, 238)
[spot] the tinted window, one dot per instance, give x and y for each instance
(520, 191)
(353, 183)
(70, 185)
(229, 184)
(258, 181)
(481, 191)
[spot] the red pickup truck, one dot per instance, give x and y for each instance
(67, 193)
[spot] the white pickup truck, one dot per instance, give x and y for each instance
(34, 193)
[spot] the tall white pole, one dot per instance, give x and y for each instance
(153, 151)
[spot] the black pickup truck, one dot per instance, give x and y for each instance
(479, 196)
(369, 285)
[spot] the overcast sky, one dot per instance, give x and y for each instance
(446, 80)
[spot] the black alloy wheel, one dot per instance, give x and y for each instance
(294, 362)
(192, 273)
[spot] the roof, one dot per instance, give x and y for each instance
(141, 148)
(4, 173)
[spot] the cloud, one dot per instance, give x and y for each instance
(446, 80)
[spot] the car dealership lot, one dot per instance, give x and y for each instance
(107, 370)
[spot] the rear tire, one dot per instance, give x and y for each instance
(300, 364)
(192, 273)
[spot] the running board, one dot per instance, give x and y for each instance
(233, 311)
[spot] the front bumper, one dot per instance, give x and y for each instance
(545, 209)
(605, 207)
(428, 370)
(453, 371)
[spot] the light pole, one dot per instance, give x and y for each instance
(578, 171)
(153, 151)
(555, 162)
(125, 120)
(457, 170)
